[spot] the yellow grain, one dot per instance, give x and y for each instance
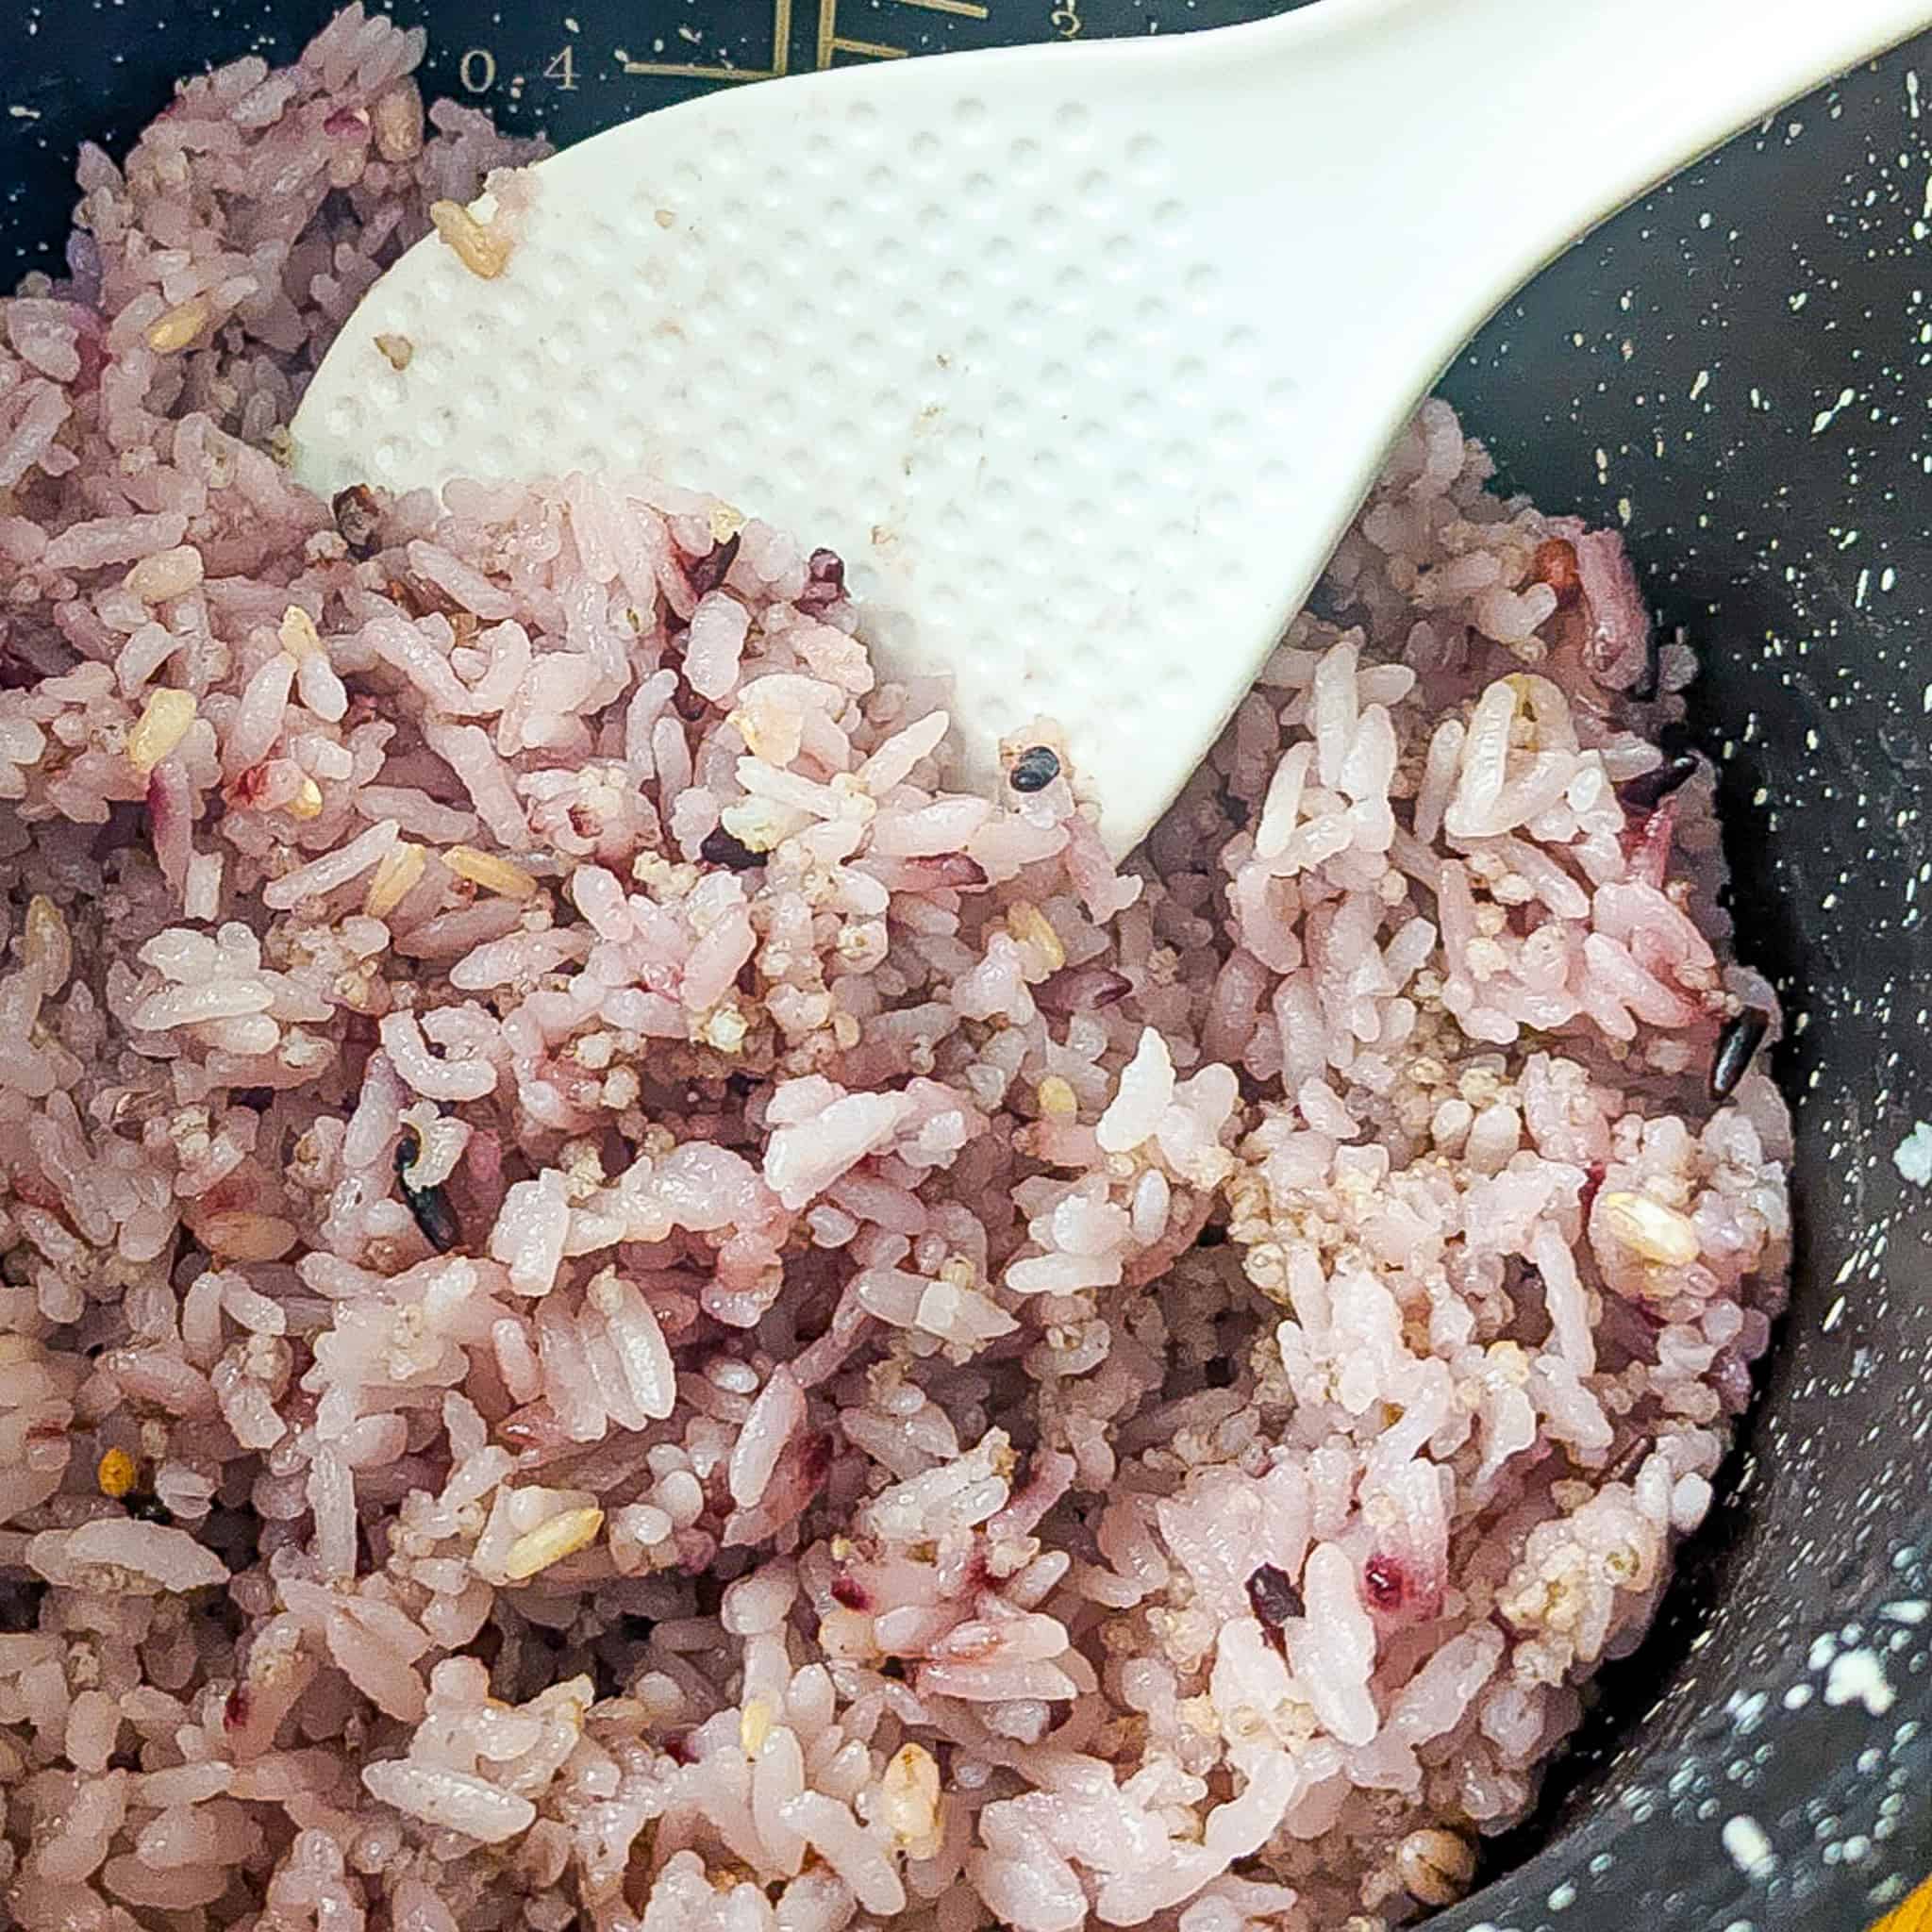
(178, 327)
(114, 1476)
(486, 870)
(910, 1800)
(396, 121)
(163, 723)
(1658, 1233)
(753, 1726)
(480, 249)
(166, 573)
(1057, 1099)
(298, 633)
(395, 878)
(1031, 926)
(307, 803)
(551, 1542)
(239, 1235)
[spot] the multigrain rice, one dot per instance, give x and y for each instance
(617, 1309)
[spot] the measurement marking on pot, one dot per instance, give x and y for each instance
(777, 64)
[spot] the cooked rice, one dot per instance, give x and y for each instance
(617, 1309)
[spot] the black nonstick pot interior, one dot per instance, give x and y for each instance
(1740, 371)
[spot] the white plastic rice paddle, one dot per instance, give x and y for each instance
(1082, 355)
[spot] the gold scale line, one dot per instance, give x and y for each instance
(830, 41)
(780, 62)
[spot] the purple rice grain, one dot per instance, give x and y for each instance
(1272, 1596)
(824, 583)
(1649, 790)
(721, 847)
(1082, 990)
(708, 571)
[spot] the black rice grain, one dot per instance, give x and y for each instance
(1272, 1596)
(429, 1205)
(1035, 769)
(1742, 1037)
(721, 848)
(708, 571)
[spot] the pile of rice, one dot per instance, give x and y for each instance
(615, 1308)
